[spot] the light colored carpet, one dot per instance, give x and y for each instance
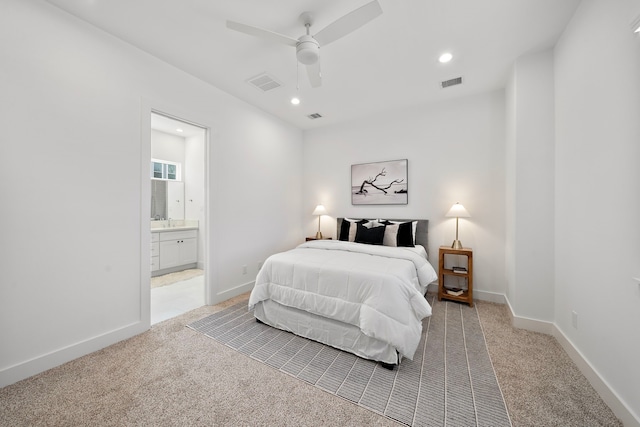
(450, 380)
(178, 276)
(174, 376)
(541, 384)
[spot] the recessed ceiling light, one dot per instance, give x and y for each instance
(179, 130)
(445, 57)
(295, 100)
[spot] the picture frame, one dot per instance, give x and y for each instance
(380, 183)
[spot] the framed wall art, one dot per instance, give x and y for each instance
(380, 183)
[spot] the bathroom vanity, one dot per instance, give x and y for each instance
(173, 248)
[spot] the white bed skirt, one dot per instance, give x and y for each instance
(327, 331)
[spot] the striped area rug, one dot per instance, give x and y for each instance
(449, 382)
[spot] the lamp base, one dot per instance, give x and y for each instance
(318, 235)
(457, 244)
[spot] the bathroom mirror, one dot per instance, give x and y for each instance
(167, 199)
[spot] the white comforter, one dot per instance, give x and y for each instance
(376, 288)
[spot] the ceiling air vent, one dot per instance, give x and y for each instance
(451, 82)
(314, 116)
(264, 82)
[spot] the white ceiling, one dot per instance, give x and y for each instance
(389, 63)
(174, 127)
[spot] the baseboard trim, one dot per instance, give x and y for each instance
(174, 269)
(477, 294)
(608, 394)
(528, 323)
(489, 296)
(233, 292)
(20, 371)
(610, 397)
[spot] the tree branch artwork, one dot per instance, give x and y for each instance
(379, 183)
(382, 187)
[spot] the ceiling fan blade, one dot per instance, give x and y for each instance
(263, 34)
(348, 23)
(315, 77)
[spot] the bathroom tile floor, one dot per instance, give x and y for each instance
(175, 299)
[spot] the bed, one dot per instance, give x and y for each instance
(353, 293)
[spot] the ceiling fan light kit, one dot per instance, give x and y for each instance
(307, 50)
(308, 46)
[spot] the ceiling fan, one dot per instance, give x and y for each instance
(308, 46)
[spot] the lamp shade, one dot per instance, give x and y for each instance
(458, 211)
(319, 210)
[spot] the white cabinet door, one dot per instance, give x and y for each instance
(178, 248)
(170, 254)
(189, 251)
(178, 252)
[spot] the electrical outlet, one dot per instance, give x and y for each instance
(244, 269)
(574, 319)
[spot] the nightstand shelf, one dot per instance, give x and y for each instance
(309, 239)
(465, 275)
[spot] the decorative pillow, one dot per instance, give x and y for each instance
(374, 223)
(414, 226)
(370, 236)
(391, 235)
(370, 223)
(406, 232)
(405, 235)
(348, 229)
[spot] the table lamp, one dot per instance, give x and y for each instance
(319, 211)
(457, 211)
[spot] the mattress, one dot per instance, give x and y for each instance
(374, 293)
(327, 331)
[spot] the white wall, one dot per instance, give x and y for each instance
(194, 192)
(75, 102)
(168, 147)
(530, 188)
(597, 202)
(455, 152)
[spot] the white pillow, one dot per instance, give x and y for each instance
(391, 235)
(353, 228)
(414, 225)
(371, 223)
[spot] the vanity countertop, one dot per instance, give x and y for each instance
(164, 226)
(173, 228)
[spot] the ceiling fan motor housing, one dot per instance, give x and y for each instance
(307, 50)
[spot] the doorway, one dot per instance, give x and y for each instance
(177, 216)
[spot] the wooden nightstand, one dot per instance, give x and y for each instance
(308, 239)
(464, 273)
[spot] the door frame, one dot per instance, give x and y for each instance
(187, 116)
